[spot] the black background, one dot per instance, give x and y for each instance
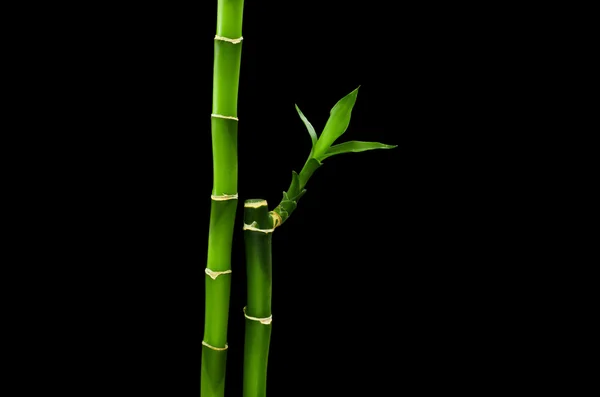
(387, 278)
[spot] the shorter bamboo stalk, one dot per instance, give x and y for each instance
(259, 225)
(258, 228)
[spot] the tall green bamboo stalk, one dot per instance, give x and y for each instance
(224, 128)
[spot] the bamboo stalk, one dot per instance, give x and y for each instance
(258, 227)
(224, 128)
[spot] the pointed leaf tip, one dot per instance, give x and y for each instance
(354, 147)
(339, 119)
(309, 127)
(294, 189)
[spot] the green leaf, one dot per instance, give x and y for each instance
(288, 206)
(339, 119)
(354, 147)
(297, 198)
(282, 212)
(309, 127)
(295, 186)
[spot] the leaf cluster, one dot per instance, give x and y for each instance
(322, 148)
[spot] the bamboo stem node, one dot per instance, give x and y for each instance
(219, 349)
(276, 219)
(227, 39)
(253, 228)
(220, 116)
(224, 197)
(213, 274)
(264, 321)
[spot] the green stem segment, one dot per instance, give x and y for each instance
(296, 190)
(257, 239)
(224, 128)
